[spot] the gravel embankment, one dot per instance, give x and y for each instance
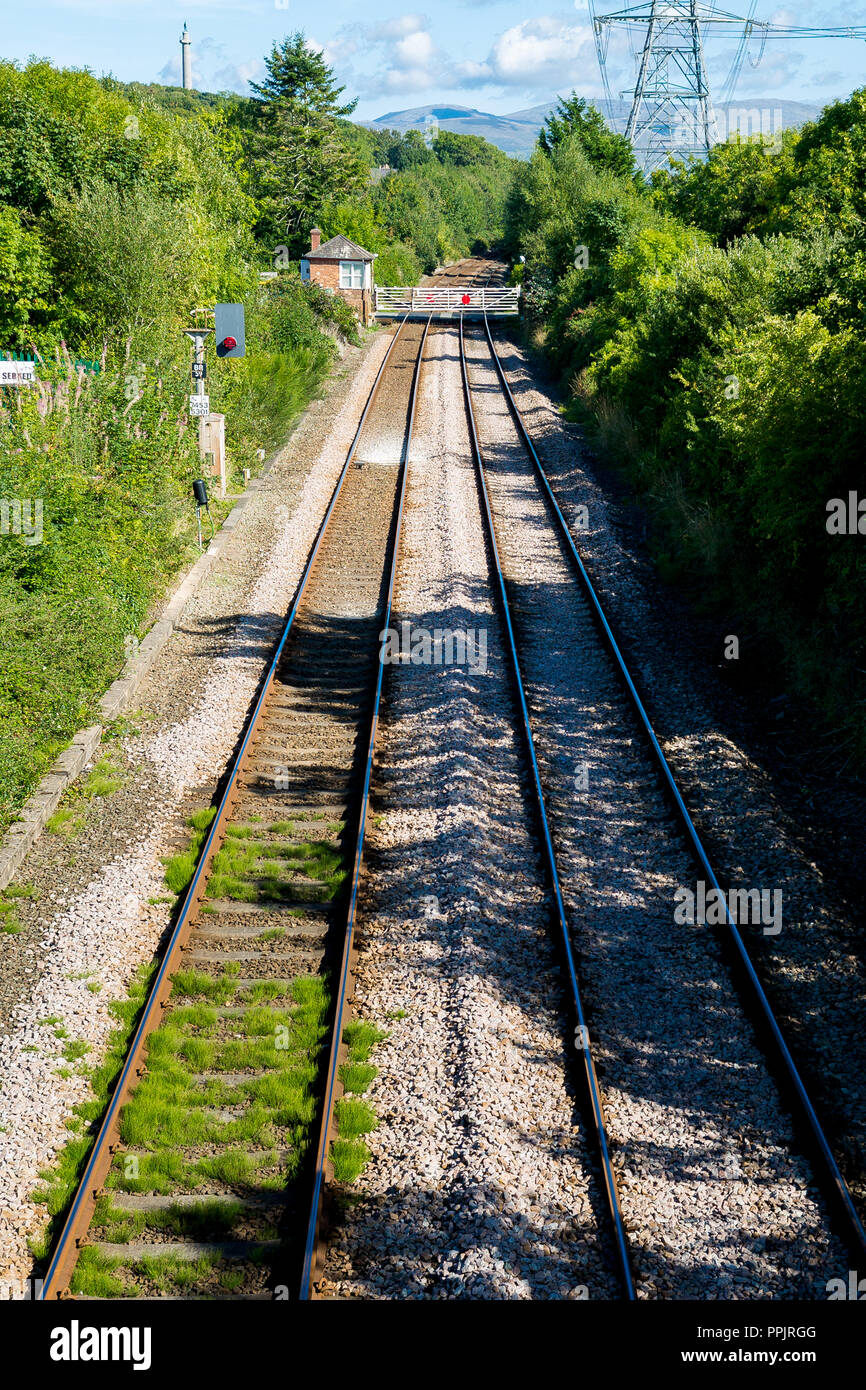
(91, 922)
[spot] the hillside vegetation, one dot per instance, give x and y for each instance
(711, 328)
(122, 211)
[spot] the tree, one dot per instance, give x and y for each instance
(737, 190)
(299, 75)
(451, 148)
(25, 282)
(302, 157)
(410, 150)
(124, 260)
(813, 179)
(604, 148)
(828, 185)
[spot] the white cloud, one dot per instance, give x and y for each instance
(337, 50)
(830, 79)
(170, 74)
(415, 50)
(543, 54)
(404, 53)
(778, 67)
(547, 52)
(236, 77)
(399, 27)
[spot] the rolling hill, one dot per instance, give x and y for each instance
(516, 132)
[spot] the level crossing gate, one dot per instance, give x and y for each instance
(473, 301)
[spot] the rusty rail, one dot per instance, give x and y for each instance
(72, 1237)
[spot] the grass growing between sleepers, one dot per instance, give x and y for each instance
(209, 1219)
(258, 1128)
(248, 868)
(180, 868)
(230, 1094)
(355, 1118)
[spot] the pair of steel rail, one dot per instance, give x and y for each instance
(752, 991)
(73, 1234)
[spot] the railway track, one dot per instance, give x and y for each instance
(542, 701)
(239, 1109)
(581, 1031)
(198, 1181)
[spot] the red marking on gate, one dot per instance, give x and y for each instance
(467, 299)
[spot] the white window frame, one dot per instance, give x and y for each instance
(351, 275)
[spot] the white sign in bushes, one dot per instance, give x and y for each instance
(14, 373)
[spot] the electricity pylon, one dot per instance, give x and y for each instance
(671, 109)
(672, 104)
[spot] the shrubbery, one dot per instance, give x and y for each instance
(716, 338)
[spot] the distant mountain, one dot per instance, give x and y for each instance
(516, 135)
(517, 132)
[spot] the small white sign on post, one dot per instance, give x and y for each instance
(14, 373)
(199, 405)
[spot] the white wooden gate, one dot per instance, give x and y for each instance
(450, 301)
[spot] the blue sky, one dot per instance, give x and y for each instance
(498, 55)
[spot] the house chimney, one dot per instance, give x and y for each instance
(315, 238)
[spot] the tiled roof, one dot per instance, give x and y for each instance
(339, 248)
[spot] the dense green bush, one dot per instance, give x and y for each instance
(715, 336)
(25, 277)
(105, 476)
(797, 182)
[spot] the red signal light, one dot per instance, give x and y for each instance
(229, 343)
